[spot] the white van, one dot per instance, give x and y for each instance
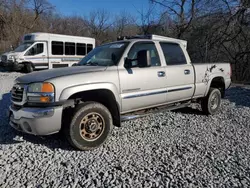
(46, 51)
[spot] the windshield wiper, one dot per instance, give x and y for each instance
(92, 63)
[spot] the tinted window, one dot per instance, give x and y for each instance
(155, 60)
(105, 55)
(57, 48)
(27, 37)
(70, 48)
(89, 47)
(173, 54)
(81, 49)
(36, 49)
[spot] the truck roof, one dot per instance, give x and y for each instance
(155, 38)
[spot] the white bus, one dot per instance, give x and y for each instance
(46, 51)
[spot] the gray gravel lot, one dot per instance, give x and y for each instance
(172, 149)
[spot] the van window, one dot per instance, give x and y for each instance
(173, 54)
(70, 48)
(27, 37)
(36, 49)
(81, 49)
(57, 48)
(89, 47)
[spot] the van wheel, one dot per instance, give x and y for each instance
(90, 126)
(28, 68)
(211, 103)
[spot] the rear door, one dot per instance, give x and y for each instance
(142, 87)
(179, 72)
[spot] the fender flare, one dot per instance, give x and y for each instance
(213, 76)
(69, 91)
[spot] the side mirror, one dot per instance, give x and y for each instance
(128, 63)
(143, 58)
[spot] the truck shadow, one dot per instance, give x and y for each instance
(189, 110)
(240, 96)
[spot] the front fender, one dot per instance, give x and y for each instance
(67, 92)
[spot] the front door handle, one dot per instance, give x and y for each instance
(186, 71)
(161, 74)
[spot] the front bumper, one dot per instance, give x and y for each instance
(36, 121)
(13, 65)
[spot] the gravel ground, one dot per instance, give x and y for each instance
(171, 149)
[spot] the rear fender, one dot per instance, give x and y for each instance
(211, 77)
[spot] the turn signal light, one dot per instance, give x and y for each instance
(44, 99)
(47, 88)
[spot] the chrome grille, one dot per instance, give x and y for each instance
(4, 58)
(17, 93)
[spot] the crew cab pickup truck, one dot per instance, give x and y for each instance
(110, 84)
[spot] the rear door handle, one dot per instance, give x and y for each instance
(161, 74)
(186, 71)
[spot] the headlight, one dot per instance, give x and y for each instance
(12, 57)
(41, 92)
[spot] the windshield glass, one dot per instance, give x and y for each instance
(23, 47)
(105, 55)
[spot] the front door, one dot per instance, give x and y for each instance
(38, 55)
(142, 87)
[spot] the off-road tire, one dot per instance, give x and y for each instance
(207, 103)
(73, 130)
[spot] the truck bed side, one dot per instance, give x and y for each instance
(205, 73)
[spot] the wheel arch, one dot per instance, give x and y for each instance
(219, 83)
(105, 96)
(28, 62)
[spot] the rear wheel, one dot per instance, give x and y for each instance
(90, 126)
(211, 103)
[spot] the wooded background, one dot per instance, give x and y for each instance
(216, 30)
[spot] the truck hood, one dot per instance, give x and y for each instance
(41, 76)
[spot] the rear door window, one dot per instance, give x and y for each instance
(173, 54)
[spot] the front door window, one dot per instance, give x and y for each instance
(35, 50)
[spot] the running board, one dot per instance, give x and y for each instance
(162, 109)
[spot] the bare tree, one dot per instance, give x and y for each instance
(181, 11)
(98, 23)
(40, 7)
(124, 24)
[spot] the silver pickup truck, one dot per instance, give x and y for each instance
(111, 84)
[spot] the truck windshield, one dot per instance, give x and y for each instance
(23, 47)
(105, 55)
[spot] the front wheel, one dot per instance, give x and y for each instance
(28, 68)
(90, 126)
(211, 103)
